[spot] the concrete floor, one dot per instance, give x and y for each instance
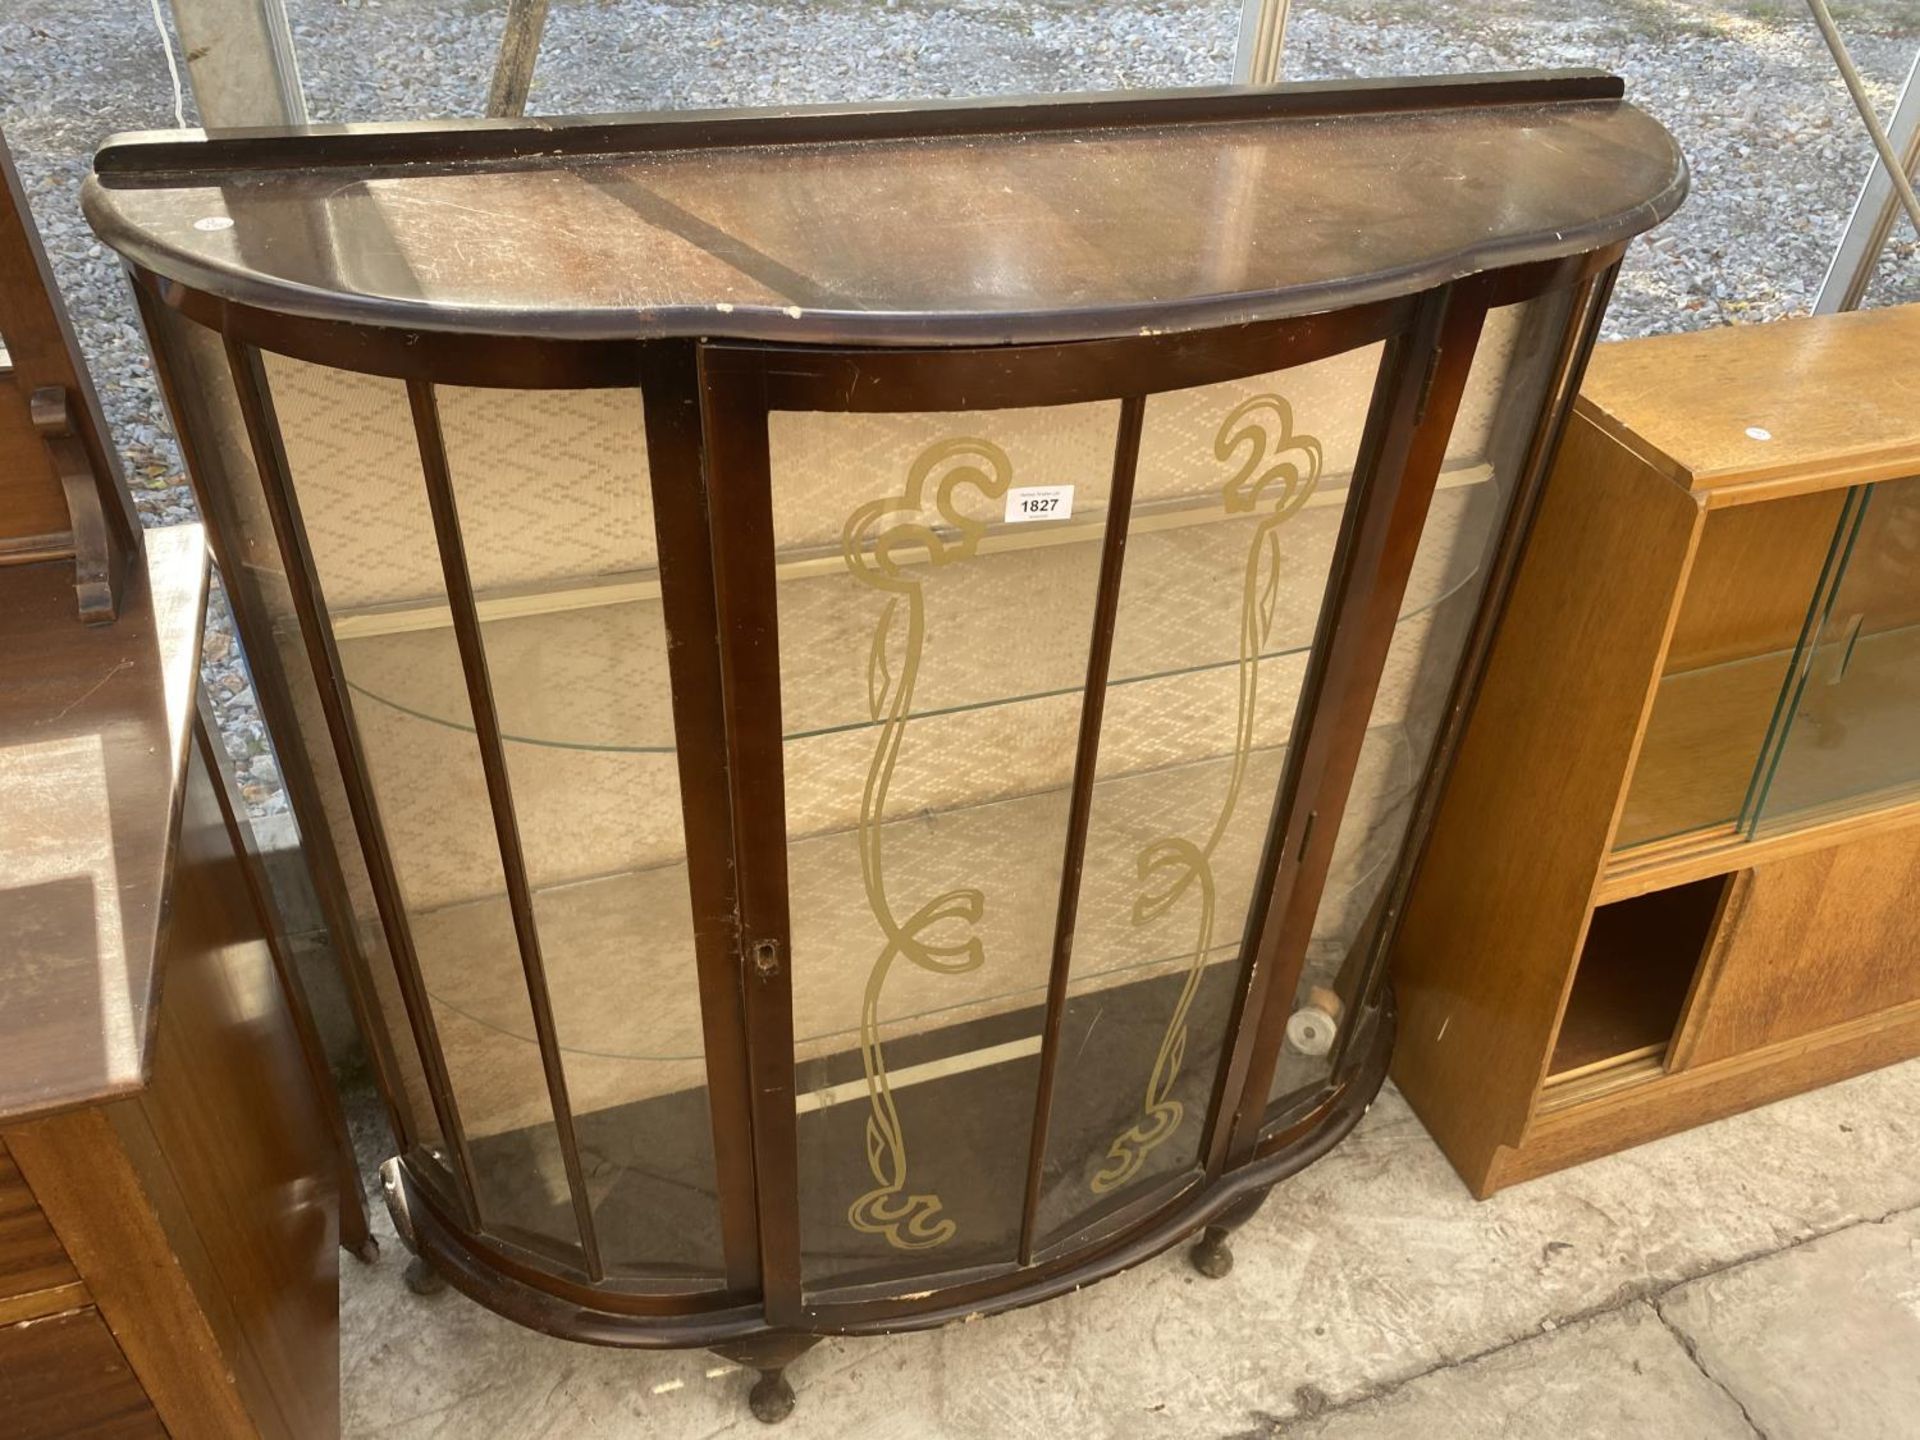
(1759, 1277)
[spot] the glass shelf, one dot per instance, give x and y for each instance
(586, 669)
(592, 949)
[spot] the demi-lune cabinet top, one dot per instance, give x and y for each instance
(973, 222)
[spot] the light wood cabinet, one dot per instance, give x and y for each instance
(1676, 867)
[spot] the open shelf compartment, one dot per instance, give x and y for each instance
(1631, 987)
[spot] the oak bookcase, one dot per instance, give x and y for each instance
(1675, 870)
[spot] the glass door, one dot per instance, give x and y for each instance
(1017, 692)
(1846, 735)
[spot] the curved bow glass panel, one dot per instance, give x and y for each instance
(556, 522)
(1259, 472)
(1493, 430)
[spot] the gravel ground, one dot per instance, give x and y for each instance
(1746, 85)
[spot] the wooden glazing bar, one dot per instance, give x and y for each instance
(493, 761)
(1370, 589)
(1126, 461)
(1580, 331)
(186, 403)
(740, 491)
(276, 481)
(676, 462)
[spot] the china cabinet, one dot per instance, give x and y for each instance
(1710, 679)
(867, 680)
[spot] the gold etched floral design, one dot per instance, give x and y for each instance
(1277, 472)
(889, 545)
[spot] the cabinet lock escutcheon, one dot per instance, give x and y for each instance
(765, 956)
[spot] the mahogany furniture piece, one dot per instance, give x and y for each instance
(170, 1149)
(870, 677)
(1676, 870)
(61, 495)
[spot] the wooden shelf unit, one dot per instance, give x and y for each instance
(175, 1169)
(1614, 935)
(1632, 979)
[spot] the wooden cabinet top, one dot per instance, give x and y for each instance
(94, 724)
(1756, 411)
(976, 222)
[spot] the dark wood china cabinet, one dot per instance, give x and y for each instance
(866, 684)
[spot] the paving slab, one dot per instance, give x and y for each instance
(1818, 1341)
(1621, 1373)
(1366, 1270)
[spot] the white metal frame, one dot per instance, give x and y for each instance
(1875, 211)
(240, 62)
(1263, 40)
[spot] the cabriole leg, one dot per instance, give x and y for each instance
(771, 1398)
(422, 1278)
(1212, 1255)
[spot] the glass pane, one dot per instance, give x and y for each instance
(554, 504)
(1491, 435)
(1240, 497)
(932, 656)
(204, 388)
(558, 517)
(1754, 578)
(1850, 734)
(356, 467)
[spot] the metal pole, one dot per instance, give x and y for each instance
(1263, 40)
(1895, 171)
(519, 48)
(1873, 212)
(240, 62)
